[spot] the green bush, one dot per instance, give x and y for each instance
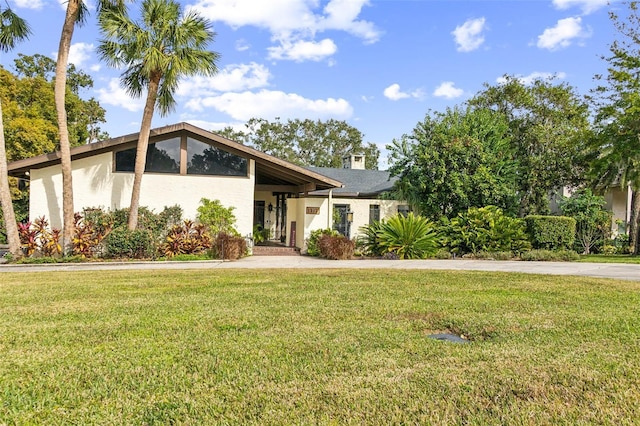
(485, 229)
(336, 247)
(549, 255)
(217, 217)
(593, 220)
(368, 239)
(186, 238)
(313, 247)
(551, 232)
(123, 243)
(409, 237)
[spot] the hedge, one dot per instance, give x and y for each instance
(551, 232)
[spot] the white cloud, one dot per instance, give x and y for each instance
(562, 35)
(468, 36)
(79, 53)
(270, 104)
(394, 93)
(242, 45)
(293, 24)
(115, 95)
(236, 77)
(448, 90)
(29, 4)
(300, 51)
(528, 80)
(587, 6)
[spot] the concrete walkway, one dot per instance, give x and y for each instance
(600, 270)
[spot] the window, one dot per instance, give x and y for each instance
(204, 159)
(403, 209)
(162, 157)
(374, 213)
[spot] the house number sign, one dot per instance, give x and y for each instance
(313, 210)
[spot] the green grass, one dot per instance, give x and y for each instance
(610, 258)
(317, 347)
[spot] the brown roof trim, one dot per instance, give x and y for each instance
(21, 167)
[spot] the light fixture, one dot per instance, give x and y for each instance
(270, 207)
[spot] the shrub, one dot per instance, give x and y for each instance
(442, 254)
(485, 229)
(593, 221)
(548, 255)
(123, 243)
(336, 247)
(410, 237)
(368, 239)
(217, 217)
(90, 228)
(551, 232)
(38, 239)
(228, 246)
(313, 248)
(158, 224)
(187, 238)
(260, 234)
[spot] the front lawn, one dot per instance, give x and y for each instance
(610, 258)
(317, 347)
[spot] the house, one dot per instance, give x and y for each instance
(186, 163)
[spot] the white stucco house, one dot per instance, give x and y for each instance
(186, 163)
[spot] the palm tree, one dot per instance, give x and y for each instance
(76, 13)
(165, 46)
(12, 30)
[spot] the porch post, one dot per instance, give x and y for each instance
(330, 213)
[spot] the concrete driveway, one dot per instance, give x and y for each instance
(600, 270)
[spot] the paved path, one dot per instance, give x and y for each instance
(602, 270)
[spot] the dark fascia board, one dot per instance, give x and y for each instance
(21, 167)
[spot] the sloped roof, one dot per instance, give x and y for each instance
(357, 183)
(269, 169)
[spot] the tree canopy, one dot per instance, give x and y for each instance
(306, 142)
(454, 160)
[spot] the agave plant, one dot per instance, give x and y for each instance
(409, 237)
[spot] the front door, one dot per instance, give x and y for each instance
(258, 214)
(340, 219)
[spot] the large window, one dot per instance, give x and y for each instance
(162, 157)
(204, 159)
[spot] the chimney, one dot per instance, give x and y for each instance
(353, 161)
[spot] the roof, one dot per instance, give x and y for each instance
(270, 170)
(357, 183)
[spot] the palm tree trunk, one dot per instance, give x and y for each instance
(634, 228)
(141, 151)
(73, 8)
(13, 238)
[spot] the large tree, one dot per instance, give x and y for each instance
(306, 142)
(455, 160)
(617, 147)
(156, 52)
(548, 128)
(12, 30)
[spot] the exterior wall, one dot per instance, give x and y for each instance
(619, 203)
(96, 185)
(323, 220)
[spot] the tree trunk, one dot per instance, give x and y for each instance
(13, 238)
(73, 8)
(141, 151)
(634, 228)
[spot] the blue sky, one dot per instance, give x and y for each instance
(380, 65)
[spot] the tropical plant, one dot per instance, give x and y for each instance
(187, 238)
(409, 237)
(156, 51)
(13, 29)
(485, 229)
(368, 239)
